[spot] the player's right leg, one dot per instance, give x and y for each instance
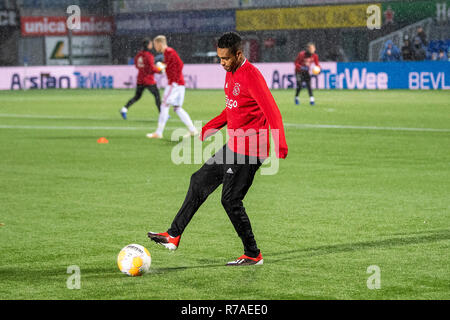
(307, 78)
(237, 180)
(163, 115)
(137, 96)
(203, 182)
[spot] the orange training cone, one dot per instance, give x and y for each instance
(102, 140)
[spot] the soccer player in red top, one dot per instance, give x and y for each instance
(302, 65)
(174, 91)
(144, 62)
(249, 112)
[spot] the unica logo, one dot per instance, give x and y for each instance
(57, 26)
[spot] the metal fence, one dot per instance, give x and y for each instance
(376, 46)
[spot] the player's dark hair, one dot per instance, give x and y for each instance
(308, 54)
(145, 42)
(230, 40)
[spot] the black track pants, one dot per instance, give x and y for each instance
(140, 89)
(303, 76)
(236, 173)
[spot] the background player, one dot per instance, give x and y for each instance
(144, 62)
(174, 91)
(302, 65)
(250, 110)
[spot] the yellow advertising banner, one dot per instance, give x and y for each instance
(320, 17)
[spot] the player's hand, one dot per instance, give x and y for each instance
(206, 133)
(282, 153)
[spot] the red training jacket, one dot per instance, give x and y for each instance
(174, 69)
(250, 110)
(304, 61)
(145, 63)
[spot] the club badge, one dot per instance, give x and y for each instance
(237, 89)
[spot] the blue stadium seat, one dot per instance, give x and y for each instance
(435, 46)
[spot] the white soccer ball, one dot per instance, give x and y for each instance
(161, 66)
(134, 260)
(316, 70)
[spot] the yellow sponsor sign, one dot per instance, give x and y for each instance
(344, 16)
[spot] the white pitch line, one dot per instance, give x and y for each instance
(288, 125)
(335, 126)
(297, 126)
(51, 117)
(70, 127)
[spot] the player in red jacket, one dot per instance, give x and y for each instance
(302, 65)
(144, 62)
(250, 111)
(174, 91)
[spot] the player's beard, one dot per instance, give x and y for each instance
(230, 67)
(234, 66)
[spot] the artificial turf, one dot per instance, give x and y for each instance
(366, 182)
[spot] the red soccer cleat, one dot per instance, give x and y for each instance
(247, 261)
(165, 240)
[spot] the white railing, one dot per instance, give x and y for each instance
(377, 45)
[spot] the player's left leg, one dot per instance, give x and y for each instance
(155, 92)
(237, 180)
(163, 115)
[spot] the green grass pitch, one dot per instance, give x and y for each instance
(366, 183)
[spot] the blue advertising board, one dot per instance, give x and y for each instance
(426, 75)
(175, 22)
